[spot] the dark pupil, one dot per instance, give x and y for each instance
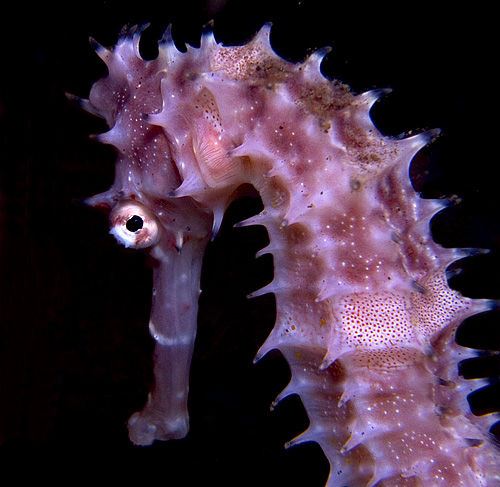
(135, 223)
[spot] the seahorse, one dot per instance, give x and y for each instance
(364, 314)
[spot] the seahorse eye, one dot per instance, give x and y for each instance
(133, 225)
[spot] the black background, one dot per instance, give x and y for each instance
(75, 352)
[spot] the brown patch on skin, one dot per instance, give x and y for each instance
(369, 158)
(365, 147)
(260, 67)
(355, 136)
(253, 64)
(324, 99)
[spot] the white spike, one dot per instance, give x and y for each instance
(259, 219)
(307, 436)
(167, 51)
(208, 42)
(289, 390)
(268, 249)
(167, 40)
(468, 252)
(86, 105)
(435, 205)
(416, 142)
(104, 53)
(126, 32)
(267, 346)
(111, 137)
(368, 98)
(448, 256)
(284, 394)
(218, 216)
(104, 200)
(188, 187)
(264, 33)
(312, 65)
(270, 288)
(240, 151)
(136, 37)
(262, 39)
(263, 251)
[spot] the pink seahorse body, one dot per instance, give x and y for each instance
(365, 317)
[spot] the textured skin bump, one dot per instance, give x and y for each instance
(365, 317)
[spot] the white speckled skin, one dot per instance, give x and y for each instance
(365, 317)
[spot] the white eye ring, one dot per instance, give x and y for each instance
(133, 225)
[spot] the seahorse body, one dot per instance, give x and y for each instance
(365, 317)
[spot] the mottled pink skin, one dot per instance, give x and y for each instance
(365, 317)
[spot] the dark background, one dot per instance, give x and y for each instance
(75, 353)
